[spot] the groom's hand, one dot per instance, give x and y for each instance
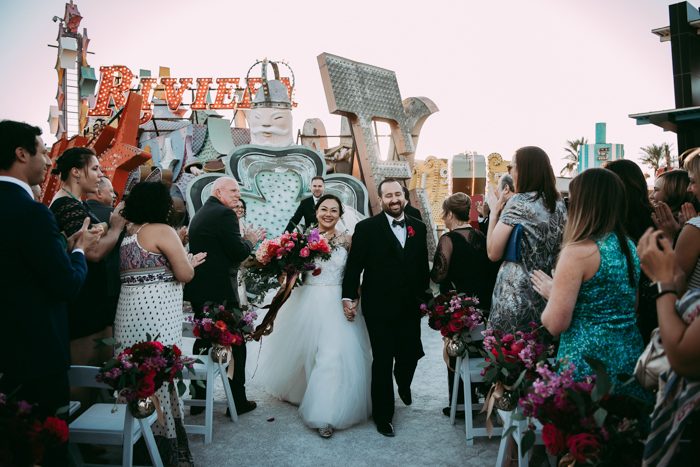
(350, 309)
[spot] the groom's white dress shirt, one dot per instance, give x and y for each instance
(399, 232)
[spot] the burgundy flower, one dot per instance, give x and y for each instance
(583, 447)
(553, 439)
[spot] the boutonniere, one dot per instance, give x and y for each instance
(410, 231)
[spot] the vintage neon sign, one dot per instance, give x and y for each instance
(116, 82)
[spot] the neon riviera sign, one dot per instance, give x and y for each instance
(116, 81)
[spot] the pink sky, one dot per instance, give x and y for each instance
(503, 74)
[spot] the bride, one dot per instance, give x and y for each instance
(316, 357)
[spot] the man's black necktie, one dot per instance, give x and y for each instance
(400, 223)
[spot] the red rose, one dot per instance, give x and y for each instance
(410, 231)
(57, 428)
(147, 385)
(553, 439)
(583, 446)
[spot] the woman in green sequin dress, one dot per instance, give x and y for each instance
(592, 301)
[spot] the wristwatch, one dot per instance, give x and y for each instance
(662, 288)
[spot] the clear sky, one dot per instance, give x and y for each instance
(504, 74)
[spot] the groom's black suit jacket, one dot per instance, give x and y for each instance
(395, 279)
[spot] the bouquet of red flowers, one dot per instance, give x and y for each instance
(140, 370)
(24, 436)
(292, 253)
(285, 258)
(453, 313)
(224, 327)
(511, 361)
(581, 421)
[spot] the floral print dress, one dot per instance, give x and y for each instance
(515, 303)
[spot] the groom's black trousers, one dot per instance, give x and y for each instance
(396, 348)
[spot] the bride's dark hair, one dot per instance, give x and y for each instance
(333, 197)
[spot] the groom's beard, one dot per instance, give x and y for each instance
(393, 209)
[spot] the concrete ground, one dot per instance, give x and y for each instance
(274, 434)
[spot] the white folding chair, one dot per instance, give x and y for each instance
(210, 371)
(98, 425)
(517, 435)
(469, 371)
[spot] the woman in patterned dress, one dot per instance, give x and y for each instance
(538, 208)
(153, 266)
(591, 306)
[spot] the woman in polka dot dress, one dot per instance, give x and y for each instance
(153, 266)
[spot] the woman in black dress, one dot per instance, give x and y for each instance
(91, 314)
(461, 263)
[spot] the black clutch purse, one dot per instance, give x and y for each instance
(512, 252)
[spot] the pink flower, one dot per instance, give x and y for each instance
(305, 252)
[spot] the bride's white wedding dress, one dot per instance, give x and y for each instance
(315, 357)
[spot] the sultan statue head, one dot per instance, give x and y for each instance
(270, 115)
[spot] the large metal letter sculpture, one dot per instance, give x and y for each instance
(364, 93)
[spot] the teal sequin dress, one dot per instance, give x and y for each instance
(603, 325)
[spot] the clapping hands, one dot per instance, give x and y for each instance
(86, 237)
(196, 260)
(542, 283)
(664, 220)
(255, 235)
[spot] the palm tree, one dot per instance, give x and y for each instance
(572, 147)
(653, 154)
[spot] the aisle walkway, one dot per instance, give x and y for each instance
(273, 434)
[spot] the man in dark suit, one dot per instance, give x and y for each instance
(37, 278)
(307, 207)
(408, 209)
(214, 229)
(391, 249)
(101, 202)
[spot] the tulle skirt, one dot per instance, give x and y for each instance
(317, 359)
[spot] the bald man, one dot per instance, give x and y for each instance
(214, 229)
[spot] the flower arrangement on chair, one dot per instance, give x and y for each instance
(140, 370)
(510, 365)
(582, 422)
(24, 436)
(222, 328)
(284, 259)
(455, 315)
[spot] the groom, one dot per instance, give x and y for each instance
(392, 251)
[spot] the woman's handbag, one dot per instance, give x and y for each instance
(512, 252)
(651, 363)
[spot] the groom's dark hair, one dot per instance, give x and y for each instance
(386, 180)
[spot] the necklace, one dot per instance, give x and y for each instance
(69, 193)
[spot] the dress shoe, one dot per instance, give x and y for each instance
(386, 428)
(459, 414)
(325, 431)
(194, 410)
(242, 408)
(405, 395)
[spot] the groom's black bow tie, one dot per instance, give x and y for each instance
(400, 223)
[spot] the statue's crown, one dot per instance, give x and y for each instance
(272, 93)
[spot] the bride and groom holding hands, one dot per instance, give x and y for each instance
(341, 336)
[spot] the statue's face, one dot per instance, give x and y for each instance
(270, 126)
